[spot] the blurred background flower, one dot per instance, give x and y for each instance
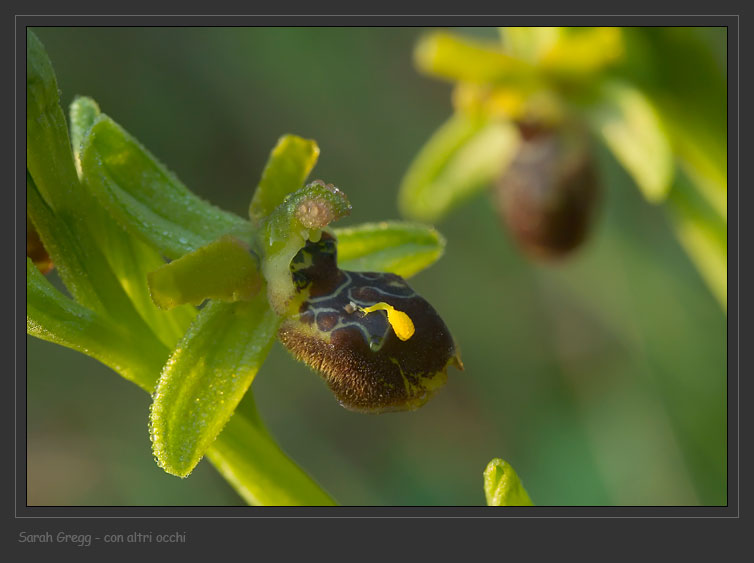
(602, 381)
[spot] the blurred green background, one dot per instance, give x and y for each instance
(601, 380)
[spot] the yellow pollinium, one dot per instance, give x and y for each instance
(400, 321)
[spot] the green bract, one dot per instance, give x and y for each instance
(206, 377)
(109, 214)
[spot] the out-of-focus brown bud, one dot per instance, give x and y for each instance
(548, 194)
(378, 345)
(35, 250)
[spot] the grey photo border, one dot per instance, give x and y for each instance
(23, 512)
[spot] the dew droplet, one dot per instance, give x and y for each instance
(375, 343)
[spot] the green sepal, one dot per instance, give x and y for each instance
(458, 59)
(502, 487)
(629, 125)
(529, 43)
(463, 157)
(147, 199)
(52, 316)
(390, 246)
(288, 166)
(224, 270)
(579, 53)
(205, 378)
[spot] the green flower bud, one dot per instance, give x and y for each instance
(379, 346)
(548, 194)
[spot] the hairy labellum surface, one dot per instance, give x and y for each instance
(367, 366)
(548, 194)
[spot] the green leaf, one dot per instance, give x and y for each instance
(54, 317)
(287, 168)
(502, 487)
(129, 259)
(48, 151)
(91, 252)
(223, 269)
(83, 112)
(454, 58)
(145, 198)
(703, 233)
(254, 464)
(630, 127)
(463, 157)
(390, 246)
(64, 248)
(81, 264)
(205, 378)
(57, 206)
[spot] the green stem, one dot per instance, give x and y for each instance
(250, 460)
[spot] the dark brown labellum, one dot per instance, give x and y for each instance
(35, 250)
(366, 365)
(548, 194)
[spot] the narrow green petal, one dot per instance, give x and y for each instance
(206, 377)
(502, 487)
(223, 269)
(462, 158)
(54, 317)
(455, 58)
(287, 168)
(631, 128)
(390, 246)
(144, 197)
